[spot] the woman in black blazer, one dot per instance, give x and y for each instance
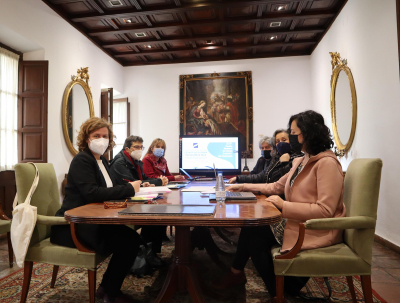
(89, 181)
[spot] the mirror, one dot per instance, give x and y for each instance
(77, 107)
(343, 105)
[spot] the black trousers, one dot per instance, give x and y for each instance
(153, 234)
(120, 240)
(256, 242)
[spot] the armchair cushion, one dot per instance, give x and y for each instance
(47, 252)
(51, 220)
(5, 226)
(357, 222)
(335, 260)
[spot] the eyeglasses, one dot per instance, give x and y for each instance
(138, 147)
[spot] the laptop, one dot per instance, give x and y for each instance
(236, 196)
(189, 176)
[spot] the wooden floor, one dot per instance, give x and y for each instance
(385, 270)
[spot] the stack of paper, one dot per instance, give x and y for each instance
(152, 190)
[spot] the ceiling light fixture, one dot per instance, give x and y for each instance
(148, 46)
(208, 42)
(281, 7)
(273, 38)
(115, 2)
(275, 24)
(128, 20)
(140, 35)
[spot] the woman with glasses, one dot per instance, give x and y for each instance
(155, 164)
(313, 189)
(126, 165)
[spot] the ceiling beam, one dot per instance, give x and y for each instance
(216, 37)
(168, 9)
(218, 58)
(205, 48)
(265, 18)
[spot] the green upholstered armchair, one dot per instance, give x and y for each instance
(5, 226)
(353, 256)
(47, 200)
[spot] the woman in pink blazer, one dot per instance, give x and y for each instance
(313, 189)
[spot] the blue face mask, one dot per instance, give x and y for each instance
(283, 148)
(158, 152)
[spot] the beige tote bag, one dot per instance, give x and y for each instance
(23, 223)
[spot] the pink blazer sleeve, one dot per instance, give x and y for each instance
(329, 185)
(268, 189)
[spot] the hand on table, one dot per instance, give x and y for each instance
(276, 200)
(164, 180)
(179, 178)
(236, 187)
(232, 180)
(136, 185)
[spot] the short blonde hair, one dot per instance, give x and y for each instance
(154, 143)
(91, 125)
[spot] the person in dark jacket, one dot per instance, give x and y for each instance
(89, 181)
(265, 159)
(126, 166)
(280, 163)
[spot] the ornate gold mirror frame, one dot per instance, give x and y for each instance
(82, 79)
(338, 65)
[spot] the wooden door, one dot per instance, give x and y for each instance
(107, 112)
(32, 111)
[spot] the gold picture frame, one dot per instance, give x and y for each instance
(338, 65)
(82, 79)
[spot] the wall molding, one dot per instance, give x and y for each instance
(387, 244)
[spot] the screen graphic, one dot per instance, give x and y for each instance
(201, 153)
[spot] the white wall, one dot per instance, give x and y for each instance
(281, 87)
(365, 33)
(66, 49)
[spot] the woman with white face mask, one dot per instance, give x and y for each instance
(89, 181)
(155, 164)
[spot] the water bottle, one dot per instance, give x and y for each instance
(220, 193)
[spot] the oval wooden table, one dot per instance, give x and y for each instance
(181, 275)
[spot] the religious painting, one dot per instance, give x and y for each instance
(218, 104)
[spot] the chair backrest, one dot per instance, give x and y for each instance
(46, 197)
(361, 194)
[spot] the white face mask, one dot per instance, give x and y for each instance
(99, 146)
(136, 154)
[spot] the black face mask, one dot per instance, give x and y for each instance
(283, 148)
(294, 142)
(266, 154)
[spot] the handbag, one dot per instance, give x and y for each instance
(23, 223)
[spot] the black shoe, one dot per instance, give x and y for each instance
(151, 257)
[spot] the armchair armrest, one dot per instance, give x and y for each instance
(51, 220)
(359, 222)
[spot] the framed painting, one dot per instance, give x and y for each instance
(218, 104)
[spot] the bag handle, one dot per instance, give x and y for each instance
(31, 191)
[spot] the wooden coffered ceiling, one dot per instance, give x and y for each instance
(146, 32)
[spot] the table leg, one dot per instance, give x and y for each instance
(181, 274)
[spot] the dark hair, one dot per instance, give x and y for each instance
(131, 139)
(273, 140)
(317, 136)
